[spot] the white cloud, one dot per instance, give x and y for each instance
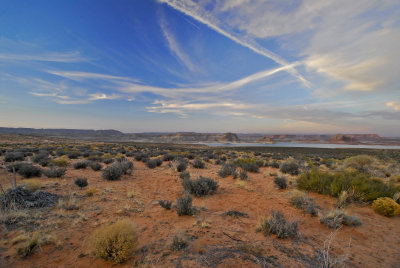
(174, 46)
(197, 12)
(394, 104)
(66, 57)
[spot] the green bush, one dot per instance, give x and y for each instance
(364, 187)
(96, 166)
(362, 163)
(248, 164)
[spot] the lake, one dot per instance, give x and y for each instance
(305, 145)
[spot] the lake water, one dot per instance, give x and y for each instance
(305, 145)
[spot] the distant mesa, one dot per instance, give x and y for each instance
(230, 137)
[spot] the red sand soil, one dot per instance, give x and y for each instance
(214, 240)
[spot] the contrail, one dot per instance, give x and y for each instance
(182, 7)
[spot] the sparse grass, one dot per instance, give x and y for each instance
(244, 185)
(116, 242)
(68, 203)
(27, 249)
(278, 225)
(386, 206)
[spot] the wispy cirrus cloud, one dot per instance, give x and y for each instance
(175, 47)
(64, 57)
(199, 13)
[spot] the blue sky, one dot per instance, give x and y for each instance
(207, 66)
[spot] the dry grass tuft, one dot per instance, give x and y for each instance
(115, 242)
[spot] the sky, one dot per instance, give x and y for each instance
(245, 66)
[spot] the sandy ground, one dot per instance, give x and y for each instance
(214, 240)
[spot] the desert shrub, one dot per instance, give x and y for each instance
(151, 163)
(302, 201)
(62, 161)
(54, 172)
(80, 165)
(108, 161)
(200, 187)
(278, 225)
(81, 182)
(184, 175)
(168, 157)
(290, 166)
(197, 163)
(29, 170)
(125, 165)
(112, 173)
(116, 242)
(362, 163)
(179, 243)
(96, 166)
(41, 158)
(165, 204)
(139, 156)
(336, 218)
(364, 187)
(274, 164)
(343, 199)
(248, 164)
(386, 206)
(227, 169)
(184, 205)
(158, 161)
(281, 182)
(14, 156)
(180, 164)
(236, 214)
(243, 175)
(73, 155)
(31, 185)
